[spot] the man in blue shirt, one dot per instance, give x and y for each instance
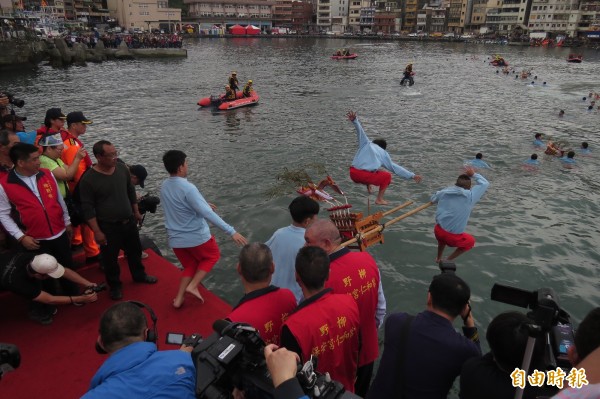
(533, 161)
(286, 242)
(135, 368)
(584, 150)
(186, 215)
(369, 158)
(569, 160)
(455, 204)
(538, 142)
(478, 162)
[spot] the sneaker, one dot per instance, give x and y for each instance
(116, 294)
(148, 279)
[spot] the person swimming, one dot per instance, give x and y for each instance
(561, 113)
(532, 161)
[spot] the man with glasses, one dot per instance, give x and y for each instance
(110, 208)
(77, 124)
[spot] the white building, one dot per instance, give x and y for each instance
(332, 15)
(144, 14)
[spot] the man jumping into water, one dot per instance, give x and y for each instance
(369, 158)
(455, 204)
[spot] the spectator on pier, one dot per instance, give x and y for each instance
(54, 122)
(7, 140)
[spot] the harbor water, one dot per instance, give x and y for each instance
(533, 228)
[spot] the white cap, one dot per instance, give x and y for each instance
(47, 264)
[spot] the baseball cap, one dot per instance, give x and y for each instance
(54, 113)
(13, 118)
(50, 140)
(140, 172)
(77, 117)
(47, 264)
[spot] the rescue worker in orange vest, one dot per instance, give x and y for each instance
(324, 324)
(233, 82)
(355, 274)
(248, 89)
(264, 306)
(229, 94)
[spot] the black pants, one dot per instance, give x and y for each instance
(121, 235)
(60, 248)
(363, 379)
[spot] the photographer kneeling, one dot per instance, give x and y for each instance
(27, 275)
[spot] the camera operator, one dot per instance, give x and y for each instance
(14, 124)
(324, 324)
(263, 306)
(423, 355)
(489, 376)
(283, 367)
(135, 368)
(26, 274)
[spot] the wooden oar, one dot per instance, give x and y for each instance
(407, 203)
(389, 223)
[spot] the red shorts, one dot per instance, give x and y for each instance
(202, 257)
(463, 241)
(379, 178)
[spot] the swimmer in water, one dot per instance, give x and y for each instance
(533, 161)
(561, 113)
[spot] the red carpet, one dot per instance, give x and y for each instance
(59, 360)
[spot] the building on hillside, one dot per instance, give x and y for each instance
(302, 13)
(142, 15)
(226, 13)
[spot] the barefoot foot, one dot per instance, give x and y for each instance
(177, 303)
(194, 291)
(381, 202)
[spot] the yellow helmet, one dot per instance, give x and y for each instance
(250, 81)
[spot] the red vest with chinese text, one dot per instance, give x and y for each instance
(38, 219)
(357, 275)
(266, 313)
(328, 329)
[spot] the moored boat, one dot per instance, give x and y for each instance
(344, 57)
(577, 58)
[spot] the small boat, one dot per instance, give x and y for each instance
(207, 101)
(577, 58)
(344, 57)
(500, 62)
(240, 102)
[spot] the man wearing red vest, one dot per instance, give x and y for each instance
(264, 306)
(357, 275)
(41, 223)
(325, 325)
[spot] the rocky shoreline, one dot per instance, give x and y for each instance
(19, 53)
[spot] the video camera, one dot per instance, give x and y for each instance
(233, 357)
(548, 320)
(10, 358)
(17, 102)
(148, 203)
(95, 288)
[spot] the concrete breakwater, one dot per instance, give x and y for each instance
(17, 53)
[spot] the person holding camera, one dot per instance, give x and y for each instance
(186, 216)
(355, 274)
(283, 367)
(27, 274)
(110, 208)
(489, 376)
(264, 306)
(324, 324)
(423, 354)
(135, 367)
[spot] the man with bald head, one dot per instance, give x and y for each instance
(355, 274)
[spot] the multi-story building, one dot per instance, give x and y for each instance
(226, 13)
(385, 21)
(411, 8)
(357, 10)
(553, 17)
(90, 11)
(456, 15)
(509, 15)
(282, 13)
(432, 19)
(332, 15)
(588, 19)
(478, 14)
(144, 14)
(302, 13)
(367, 17)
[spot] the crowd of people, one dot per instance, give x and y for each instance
(143, 40)
(304, 293)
